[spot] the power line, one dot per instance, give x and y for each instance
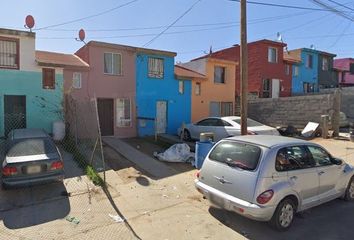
(333, 10)
(88, 17)
(341, 4)
(174, 22)
(341, 35)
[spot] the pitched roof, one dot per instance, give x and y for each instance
(183, 72)
(291, 57)
(53, 59)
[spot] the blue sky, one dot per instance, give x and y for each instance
(219, 20)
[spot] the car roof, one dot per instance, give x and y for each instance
(268, 140)
(27, 133)
(230, 118)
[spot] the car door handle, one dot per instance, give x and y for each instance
(222, 180)
(293, 178)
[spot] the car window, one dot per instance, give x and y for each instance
(250, 122)
(208, 122)
(293, 158)
(226, 124)
(235, 154)
(320, 156)
(25, 147)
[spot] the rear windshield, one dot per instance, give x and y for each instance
(235, 154)
(24, 147)
(250, 122)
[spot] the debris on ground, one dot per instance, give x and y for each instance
(117, 218)
(72, 219)
(179, 152)
(310, 130)
(289, 130)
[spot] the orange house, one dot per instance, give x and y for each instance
(213, 93)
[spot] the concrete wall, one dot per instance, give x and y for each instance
(150, 90)
(297, 111)
(347, 100)
(43, 106)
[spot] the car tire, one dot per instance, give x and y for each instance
(186, 135)
(284, 215)
(349, 192)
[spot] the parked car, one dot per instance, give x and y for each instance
(31, 158)
(223, 127)
(270, 178)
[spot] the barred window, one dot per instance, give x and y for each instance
(123, 112)
(77, 80)
(9, 56)
(155, 67)
(48, 78)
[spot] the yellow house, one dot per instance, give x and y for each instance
(213, 94)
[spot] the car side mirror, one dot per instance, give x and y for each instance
(337, 161)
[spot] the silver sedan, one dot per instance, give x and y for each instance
(270, 178)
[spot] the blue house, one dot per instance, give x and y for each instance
(313, 70)
(163, 102)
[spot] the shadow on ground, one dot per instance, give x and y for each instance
(333, 220)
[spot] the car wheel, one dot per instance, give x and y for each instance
(186, 135)
(349, 193)
(283, 215)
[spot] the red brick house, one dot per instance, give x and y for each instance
(269, 74)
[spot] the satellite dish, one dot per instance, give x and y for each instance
(82, 34)
(279, 37)
(29, 22)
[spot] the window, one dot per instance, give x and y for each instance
(293, 158)
(208, 122)
(155, 67)
(296, 71)
(320, 156)
(198, 89)
(287, 69)
(123, 112)
(77, 80)
(235, 154)
(113, 63)
(48, 78)
(226, 109)
(308, 87)
(266, 93)
(351, 68)
(9, 55)
(181, 87)
(272, 55)
(325, 63)
(250, 122)
(219, 74)
(309, 59)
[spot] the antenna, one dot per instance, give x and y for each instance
(81, 36)
(29, 22)
(279, 37)
(312, 47)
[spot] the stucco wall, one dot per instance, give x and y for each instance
(43, 106)
(297, 111)
(150, 90)
(326, 78)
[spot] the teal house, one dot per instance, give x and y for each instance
(163, 99)
(31, 83)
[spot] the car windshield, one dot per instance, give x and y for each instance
(34, 146)
(236, 154)
(250, 122)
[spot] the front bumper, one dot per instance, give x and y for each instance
(24, 181)
(231, 203)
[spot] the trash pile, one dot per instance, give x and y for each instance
(179, 152)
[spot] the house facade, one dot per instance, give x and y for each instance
(31, 92)
(345, 71)
(269, 74)
(313, 71)
(111, 79)
(163, 102)
(213, 91)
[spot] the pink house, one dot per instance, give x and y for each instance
(110, 79)
(345, 69)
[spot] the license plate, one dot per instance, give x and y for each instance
(218, 201)
(33, 169)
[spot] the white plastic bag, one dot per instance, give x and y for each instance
(176, 153)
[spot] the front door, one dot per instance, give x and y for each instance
(106, 117)
(15, 112)
(161, 117)
(275, 88)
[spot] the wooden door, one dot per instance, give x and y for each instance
(106, 116)
(15, 112)
(161, 116)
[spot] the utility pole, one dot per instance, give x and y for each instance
(244, 68)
